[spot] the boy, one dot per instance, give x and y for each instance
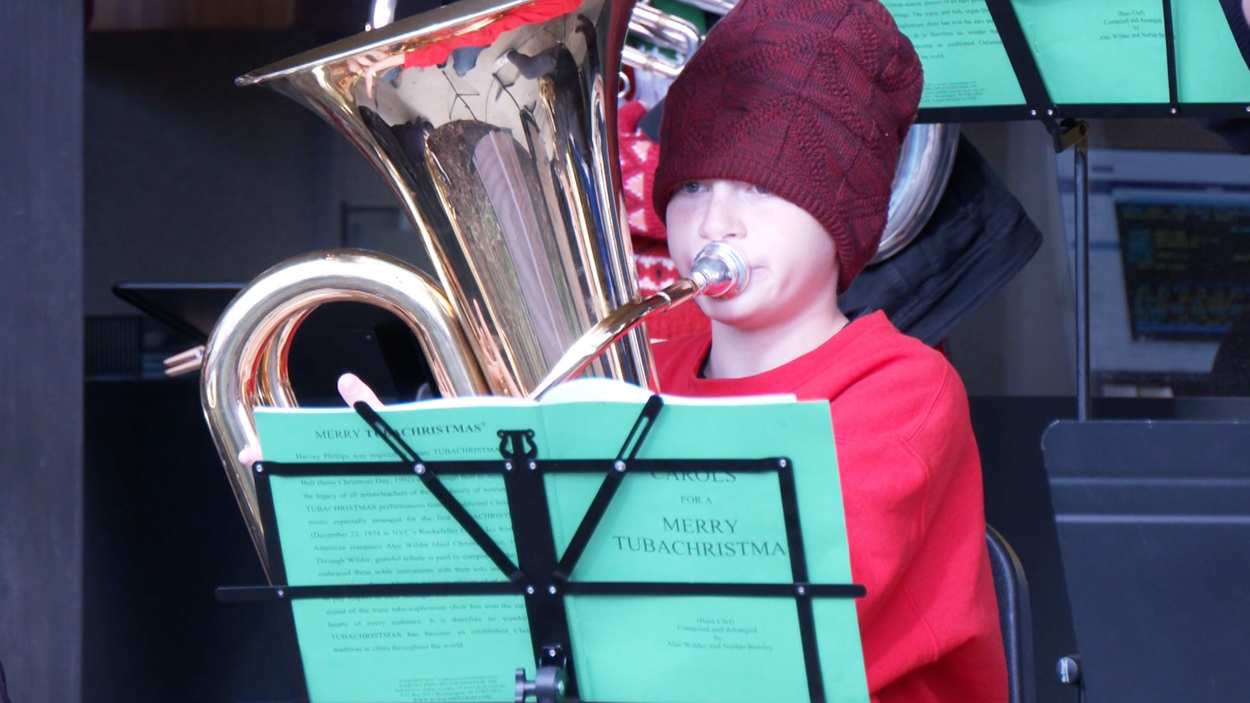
(781, 139)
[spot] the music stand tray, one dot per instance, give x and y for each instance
(189, 308)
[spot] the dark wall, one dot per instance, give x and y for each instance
(190, 178)
(1019, 341)
(41, 348)
(163, 531)
(187, 178)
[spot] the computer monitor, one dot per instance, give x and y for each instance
(1169, 258)
(1186, 265)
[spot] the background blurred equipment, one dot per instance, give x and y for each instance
(1169, 265)
(663, 29)
(1155, 534)
(719, 7)
(660, 30)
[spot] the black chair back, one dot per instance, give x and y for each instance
(1014, 616)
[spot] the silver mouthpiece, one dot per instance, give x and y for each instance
(720, 271)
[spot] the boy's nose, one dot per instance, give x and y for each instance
(717, 234)
(720, 220)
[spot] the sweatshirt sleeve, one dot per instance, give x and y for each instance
(915, 520)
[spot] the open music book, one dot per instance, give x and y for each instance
(705, 526)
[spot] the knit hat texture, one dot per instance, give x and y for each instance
(810, 99)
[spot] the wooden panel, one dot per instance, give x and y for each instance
(41, 322)
(111, 15)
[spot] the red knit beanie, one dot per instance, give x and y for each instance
(810, 99)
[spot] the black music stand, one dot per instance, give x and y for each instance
(378, 345)
(539, 576)
(189, 308)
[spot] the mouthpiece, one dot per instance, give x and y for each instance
(719, 271)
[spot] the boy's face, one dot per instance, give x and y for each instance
(793, 262)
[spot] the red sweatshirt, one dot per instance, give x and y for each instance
(911, 482)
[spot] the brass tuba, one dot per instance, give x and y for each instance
(493, 121)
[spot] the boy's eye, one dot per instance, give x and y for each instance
(691, 187)
(761, 190)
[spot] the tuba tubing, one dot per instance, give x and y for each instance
(232, 377)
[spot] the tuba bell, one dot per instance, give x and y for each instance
(493, 122)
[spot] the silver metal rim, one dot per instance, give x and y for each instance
(924, 167)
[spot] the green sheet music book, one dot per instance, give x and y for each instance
(1089, 54)
(1110, 51)
(965, 62)
(708, 526)
(1209, 67)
